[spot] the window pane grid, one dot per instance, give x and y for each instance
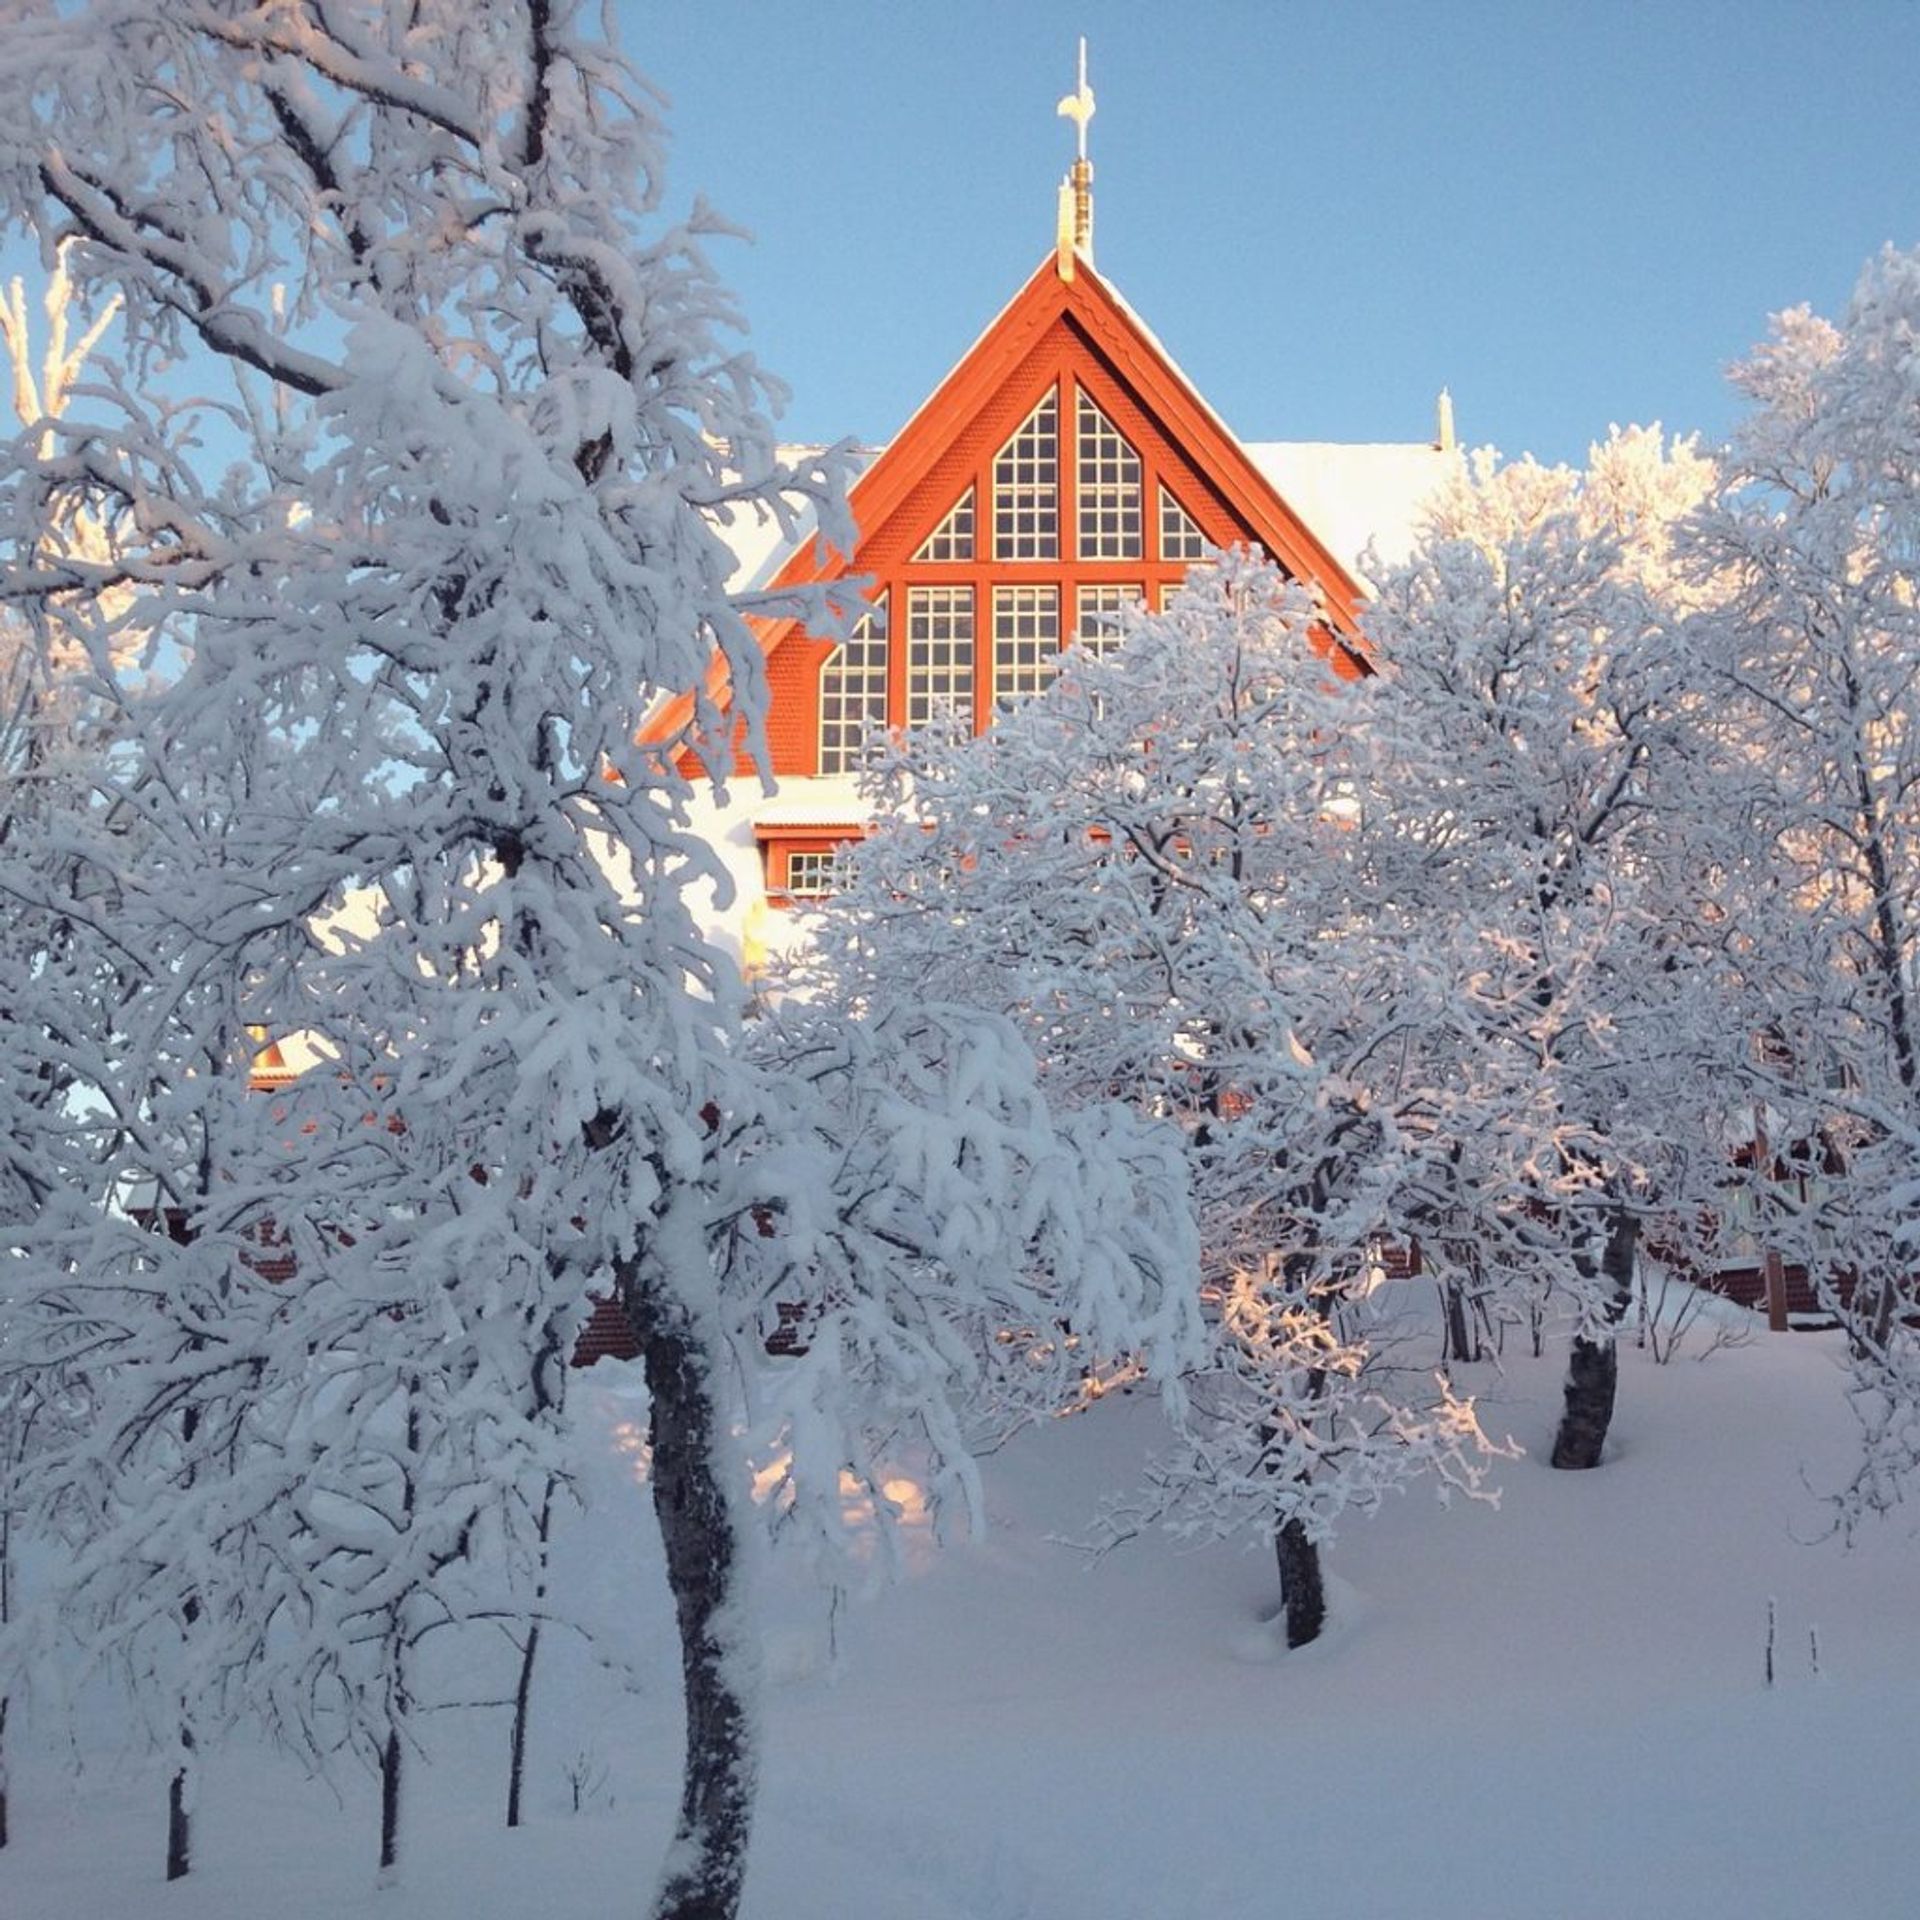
(853, 692)
(814, 871)
(1026, 642)
(1180, 538)
(1097, 614)
(1107, 478)
(939, 654)
(952, 539)
(1026, 489)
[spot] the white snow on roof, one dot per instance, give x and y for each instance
(831, 801)
(1350, 496)
(755, 536)
(1354, 496)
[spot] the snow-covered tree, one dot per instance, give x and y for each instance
(1155, 870)
(415, 461)
(49, 732)
(1814, 649)
(958, 1252)
(1536, 704)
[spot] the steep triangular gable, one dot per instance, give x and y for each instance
(1070, 336)
(1048, 317)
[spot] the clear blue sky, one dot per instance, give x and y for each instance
(1569, 214)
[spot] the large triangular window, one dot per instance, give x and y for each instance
(952, 539)
(853, 692)
(1026, 488)
(1180, 537)
(1107, 488)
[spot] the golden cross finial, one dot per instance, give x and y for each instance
(1078, 105)
(1077, 194)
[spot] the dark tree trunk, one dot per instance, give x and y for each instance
(180, 1814)
(390, 1801)
(1303, 1593)
(6, 1619)
(1593, 1367)
(1593, 1375)
(1459, 1343)
(179, 1788)
(1869, 1316)
(691, 1497)
(399, 1698)
(517, 1743)
(530, 1647)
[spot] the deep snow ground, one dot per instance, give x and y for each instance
(1553, 1710)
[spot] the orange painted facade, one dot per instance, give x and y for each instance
(1115, 391)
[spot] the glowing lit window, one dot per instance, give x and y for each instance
(853, 692)
(813, 871)
(1026, 642)
(1107, 487)
(939, 654)
(1026, 488)
(952, 539)
(1096, 625)
(1180, 538)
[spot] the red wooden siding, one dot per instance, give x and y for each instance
(1068, 335)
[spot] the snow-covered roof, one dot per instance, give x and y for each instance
(755, 536)
(1354, 496)
(830, 801)
(1350, 496)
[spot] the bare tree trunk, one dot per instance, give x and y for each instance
(523, 1686)
(180, 1787)
(691, 1496)
(517, 1739)
(1869, 1316)
(1593, 1367)
(1458, 1343)
(390, 1762)
(1303, 1593)
(180, 1812)
(399, 1699)
(6, 1618)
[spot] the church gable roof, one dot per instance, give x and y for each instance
(1081, 322)
(1068, 332)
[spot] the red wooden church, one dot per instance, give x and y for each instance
(1064, 467)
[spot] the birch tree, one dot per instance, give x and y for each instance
(417, 459)
(1813, 647)
(1538, 711)
(1155, 871)
(47, 731)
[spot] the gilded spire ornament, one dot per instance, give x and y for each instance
(1076, 194)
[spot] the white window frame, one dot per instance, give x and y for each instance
(952, 539)
(1026, 487)
(853, 692)
(940, 654)
(1109, 487)
(1026, 643)
(1180, 535)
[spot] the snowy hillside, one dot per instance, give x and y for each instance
(1553, 1709)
